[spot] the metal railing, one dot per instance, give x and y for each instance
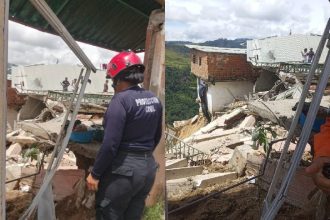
(180, 149)
(87, 98)
(290, 67)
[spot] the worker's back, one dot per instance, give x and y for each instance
(142, 113)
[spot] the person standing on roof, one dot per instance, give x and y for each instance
(304, 56)
(105, 86)
(65, 84)
(124, 169)
(310, 55)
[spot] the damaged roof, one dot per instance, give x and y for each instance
(112, 24)
(217, 49)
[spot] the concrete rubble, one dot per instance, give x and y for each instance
(32, 138)
(229, 151)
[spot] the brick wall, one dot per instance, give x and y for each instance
(199, 70)
(13, 99)
(222, 66)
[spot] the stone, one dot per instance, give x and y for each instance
(238, 160)
(248, 122)
(13, 172)
(14, 150)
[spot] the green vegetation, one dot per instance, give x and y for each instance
(32, 153)
(154, 212)
(180, 87)
(260, 136)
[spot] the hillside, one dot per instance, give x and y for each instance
(180, 85)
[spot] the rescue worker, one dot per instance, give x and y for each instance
(65, 84)
(124, 169)
(320, 167)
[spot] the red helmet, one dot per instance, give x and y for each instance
(122, 61)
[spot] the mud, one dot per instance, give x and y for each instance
(244, 203)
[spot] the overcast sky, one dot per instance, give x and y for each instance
(201, 20)
(29, 46)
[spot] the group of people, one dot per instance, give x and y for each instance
(307, 55)
(65, 84)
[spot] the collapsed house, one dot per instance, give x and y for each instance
(217, 167)
(225, 70)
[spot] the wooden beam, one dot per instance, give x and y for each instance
(4, 7)
(154, 60)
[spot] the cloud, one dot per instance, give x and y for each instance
(201, 20)
(29, 46)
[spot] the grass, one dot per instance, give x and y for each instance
(154, 212)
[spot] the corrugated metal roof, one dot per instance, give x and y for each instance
(282, 49)
(217, 49)
(111, 24)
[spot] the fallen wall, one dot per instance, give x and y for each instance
(224, 93)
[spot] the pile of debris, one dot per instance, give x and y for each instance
(234, 147)
(29, 147)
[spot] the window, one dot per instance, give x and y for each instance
(200, 61)
(194, 58)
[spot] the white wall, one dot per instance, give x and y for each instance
(48, 77)
(283, 48)
(224, 93)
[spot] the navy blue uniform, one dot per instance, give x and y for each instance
(133, 128)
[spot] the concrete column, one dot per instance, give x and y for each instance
(154, 60)
(4, 6)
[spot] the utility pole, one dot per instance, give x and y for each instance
(4, 8)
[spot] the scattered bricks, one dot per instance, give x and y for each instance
(176, 163)
(183, 172)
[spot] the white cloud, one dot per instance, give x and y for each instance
(29, 46)
(201, 20)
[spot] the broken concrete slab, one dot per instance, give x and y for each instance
(24, 140)
(248, 122)
(279, 111)
(14, 150)
(215, 134)
(182, 172)
(239, 159)
(176, 163)
(210, 179)
(177, 188)
(35, 128)
(13, 133)
(234, 116)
